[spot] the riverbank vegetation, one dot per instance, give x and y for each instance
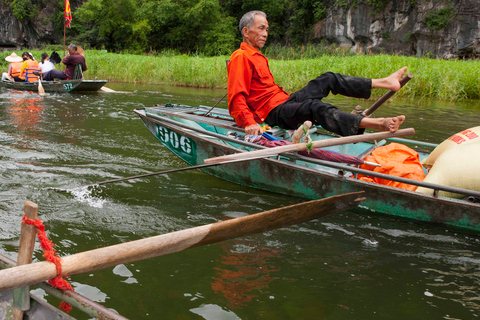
(448, 80)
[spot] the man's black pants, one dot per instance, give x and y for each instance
(306, 104)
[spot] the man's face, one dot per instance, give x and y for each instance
(258, 33)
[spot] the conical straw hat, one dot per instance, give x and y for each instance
(80, 51)
(14, 58)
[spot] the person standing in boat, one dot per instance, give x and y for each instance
(30, 68)
(48, 69)
(254, 97)
(14, 68)
(72, 59)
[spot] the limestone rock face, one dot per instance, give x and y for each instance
(443, 29)
(18, 34)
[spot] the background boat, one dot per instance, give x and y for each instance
(61, 86)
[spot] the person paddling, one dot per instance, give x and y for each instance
(254, 97)
(72, 59)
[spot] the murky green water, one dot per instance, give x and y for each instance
(346, 266)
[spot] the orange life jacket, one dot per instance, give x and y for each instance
(27, 74)
(16, 68)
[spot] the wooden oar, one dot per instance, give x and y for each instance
(41, 91)
(177, 241)
(316, 144)
(200, 166)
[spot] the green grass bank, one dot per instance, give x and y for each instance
(449, 80)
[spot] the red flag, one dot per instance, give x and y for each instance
(68, 13)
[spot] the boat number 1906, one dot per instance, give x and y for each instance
(176, 142)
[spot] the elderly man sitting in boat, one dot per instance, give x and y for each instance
(254, 97)
(72, 59)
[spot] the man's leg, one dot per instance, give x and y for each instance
(335, 83)
(348, 86)
(57, 74)
(290, 115)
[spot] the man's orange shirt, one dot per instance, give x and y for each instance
(252, 92)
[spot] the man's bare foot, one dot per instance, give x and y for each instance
(392, 124)
(383, 124)
(392, 82)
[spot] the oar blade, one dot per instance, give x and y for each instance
(41, 91)
(283, 217)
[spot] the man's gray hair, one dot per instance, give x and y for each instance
(71, 46)
(248, 19)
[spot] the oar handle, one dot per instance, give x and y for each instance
(269, 152)
(386, 96)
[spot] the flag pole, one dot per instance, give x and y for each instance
(64, 33)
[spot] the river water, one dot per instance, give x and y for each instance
(345, 266)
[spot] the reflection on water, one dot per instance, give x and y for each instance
(24, 111)
(243, 272)
(346, 266)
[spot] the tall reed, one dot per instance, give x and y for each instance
(439, 79)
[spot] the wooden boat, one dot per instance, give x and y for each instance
(61, 86)
(42, 310)
(198, 133)
(39, 309)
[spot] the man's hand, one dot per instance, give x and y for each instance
(253, 130)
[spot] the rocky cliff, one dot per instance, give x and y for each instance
(19, 34)
(443, 29)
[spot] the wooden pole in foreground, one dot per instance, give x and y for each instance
(21, 296)
(177, 241)
(316, 144)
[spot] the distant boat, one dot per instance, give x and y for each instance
(60, 86)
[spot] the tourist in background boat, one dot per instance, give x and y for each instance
(254, 97)
(72, 59)
(14, 68)
(30, 68)
(49, 73)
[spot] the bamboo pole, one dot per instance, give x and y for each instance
(21, 296)
(178, 241)
(316, 144)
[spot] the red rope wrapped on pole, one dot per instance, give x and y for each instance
(51, 255)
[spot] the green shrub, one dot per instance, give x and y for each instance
(437, 20)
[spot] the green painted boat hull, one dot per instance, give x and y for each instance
(63, 86)
(297, 178)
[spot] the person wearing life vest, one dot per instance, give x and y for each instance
(14, 68)
(30, 66)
